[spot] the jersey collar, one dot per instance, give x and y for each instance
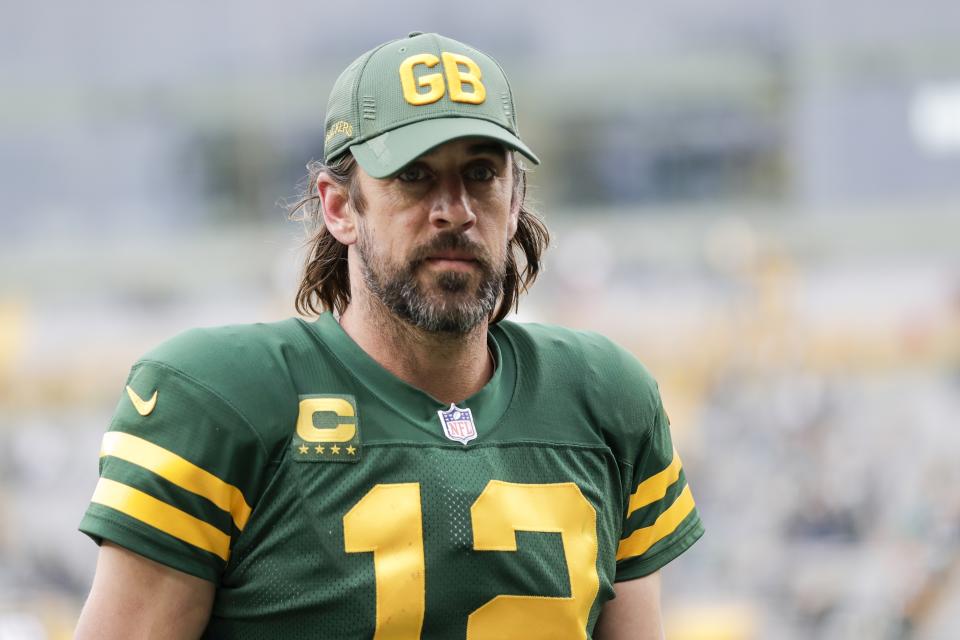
(488, 404)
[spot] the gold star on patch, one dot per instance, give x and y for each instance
(352, 451)
(335, 450)
(318, 448)
(304, 448)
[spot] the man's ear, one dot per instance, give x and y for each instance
(515, 203)
(514, 219)
(338, 215)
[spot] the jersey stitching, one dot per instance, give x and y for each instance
(646, 444)
(517, 368)
(217, 395)
(488, 445)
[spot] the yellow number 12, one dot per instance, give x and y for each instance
(388, 522)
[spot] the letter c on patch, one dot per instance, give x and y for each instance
(341, 408)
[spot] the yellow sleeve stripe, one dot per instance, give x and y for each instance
(160, 515)
(642, 539)
(655, 487)
(179, 471)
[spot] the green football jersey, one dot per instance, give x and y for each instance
(327, 498)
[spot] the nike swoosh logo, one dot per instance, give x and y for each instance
(143, 407)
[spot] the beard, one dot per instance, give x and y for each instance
(453, 302)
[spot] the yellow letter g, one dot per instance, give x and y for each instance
(410, 84)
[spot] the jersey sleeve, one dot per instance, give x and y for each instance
(661, 519)
(180, 469)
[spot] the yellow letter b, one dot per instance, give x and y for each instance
(456, 78)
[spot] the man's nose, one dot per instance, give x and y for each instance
(451, 207)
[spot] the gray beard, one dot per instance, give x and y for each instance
(456, 313)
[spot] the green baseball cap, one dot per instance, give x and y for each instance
(400, 100)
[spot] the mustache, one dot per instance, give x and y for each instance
(451, 241)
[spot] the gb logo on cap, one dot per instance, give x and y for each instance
(456, 78)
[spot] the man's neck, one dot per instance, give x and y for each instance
(449, 367)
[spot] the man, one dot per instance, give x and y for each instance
(412, 467)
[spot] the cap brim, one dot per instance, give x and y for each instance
(391, 151)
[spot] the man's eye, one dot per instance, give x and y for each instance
(412, 174)
(481, 173)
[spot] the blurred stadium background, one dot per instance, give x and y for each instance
(761, 199)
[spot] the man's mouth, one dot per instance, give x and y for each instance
(452, 260)
(452, 253)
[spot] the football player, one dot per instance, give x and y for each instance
(410, 464)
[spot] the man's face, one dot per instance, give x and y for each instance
(433, 239)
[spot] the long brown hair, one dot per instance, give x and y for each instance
(326, 280)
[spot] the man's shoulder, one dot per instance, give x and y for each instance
(584, 373)
(242, 369)
(229, 350)
(573, 349)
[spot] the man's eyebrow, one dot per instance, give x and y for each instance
(478, 149)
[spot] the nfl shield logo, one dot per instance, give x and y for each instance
(458, 424)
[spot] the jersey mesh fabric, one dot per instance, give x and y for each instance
(342, 107)
(312, 583)
(563, 408)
